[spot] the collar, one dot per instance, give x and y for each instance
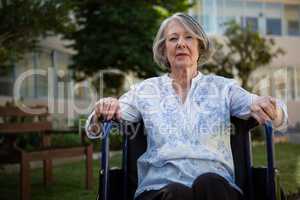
(194, 79)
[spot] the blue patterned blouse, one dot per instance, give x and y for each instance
(185, 140)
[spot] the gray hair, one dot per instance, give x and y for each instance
(205, 46)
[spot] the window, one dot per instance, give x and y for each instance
(250, 22)
(6, 81)
(44, 62)
(280, 83)
(291, 15)
(298, 83)
(27, 85)
(207, 24)
(62, 61)
(273, 26)
(291, 83)
(293, 27)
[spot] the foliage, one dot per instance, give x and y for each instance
(245, 51)
(22, 23)
(112, 82)
(220, 63)
(119, 34)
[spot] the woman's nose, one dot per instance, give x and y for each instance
(181, 43)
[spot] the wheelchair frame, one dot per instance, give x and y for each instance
(269, 173)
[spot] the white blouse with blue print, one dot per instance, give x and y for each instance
(185, 140)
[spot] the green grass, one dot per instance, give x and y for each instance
(287, 161)
(69, 178)
(68, 183)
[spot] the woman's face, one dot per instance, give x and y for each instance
(181, 46)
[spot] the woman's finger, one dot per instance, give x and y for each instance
(254, 114)
(268, 109)
(257, 118)
(261, 114)
(112, 110)
(106, 108)
(117, 114)
(99, 109)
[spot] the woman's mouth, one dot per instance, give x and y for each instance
(181, 54)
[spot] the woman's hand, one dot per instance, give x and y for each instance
(107, 109)
(264, 108)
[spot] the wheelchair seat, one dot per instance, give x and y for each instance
(256, 183)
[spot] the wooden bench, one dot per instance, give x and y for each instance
(13, 123)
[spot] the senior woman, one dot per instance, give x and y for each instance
(187, 118)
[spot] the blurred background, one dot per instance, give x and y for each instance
(67, 54)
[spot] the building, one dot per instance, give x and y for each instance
(42, 77)
(277, 19)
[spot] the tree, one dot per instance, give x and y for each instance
(220, 63)
(119, 34)
(245, 51)
(23, 22)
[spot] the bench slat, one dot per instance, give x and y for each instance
(21, 128)
(17, 112)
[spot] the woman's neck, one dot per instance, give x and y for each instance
(182, 77)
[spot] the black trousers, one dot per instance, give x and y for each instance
(209, 186)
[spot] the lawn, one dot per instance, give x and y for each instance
(69, 178)
(68, 183)
(287, 161)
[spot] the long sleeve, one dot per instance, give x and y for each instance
(241, 100)
(128, 106)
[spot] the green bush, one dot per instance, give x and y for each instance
(66, 140)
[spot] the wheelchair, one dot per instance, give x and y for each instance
(257, 183)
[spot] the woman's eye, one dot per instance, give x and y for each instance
(172, 39)
(189, 37)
